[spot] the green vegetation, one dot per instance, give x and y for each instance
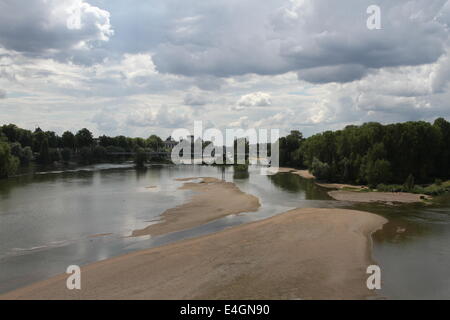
(19, 147)
(431, 190)
(141, 158)
(240, 167)
(8, 162)
(387, 157)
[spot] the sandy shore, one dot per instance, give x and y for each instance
(213, 199)
(387, 197)
(302, 173)
(342, 186)
(302, 254)
(356, 195)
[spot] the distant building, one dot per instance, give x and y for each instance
(170, 143)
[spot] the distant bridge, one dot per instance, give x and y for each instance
(166, 154)
(151, 154)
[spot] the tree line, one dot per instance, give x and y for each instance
(19, 147)
(374, 154)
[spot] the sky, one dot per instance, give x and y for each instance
(141, 67)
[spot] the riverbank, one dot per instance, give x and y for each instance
(358, 193)
(213, 199)
(301, 254)
(302, 173)
(375, 196)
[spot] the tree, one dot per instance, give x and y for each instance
(38, 137)
(25, 155)
(86, 155)
(84, 138)
(378, 172)
(66, 154)
(320, 169)
(68, 140)
(140, 158)
(55, 155)
(53, 139)
(44, 153)
(290, 154)
(99, 154)
(154, 143)
(8, 163)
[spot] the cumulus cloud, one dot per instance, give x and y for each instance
(191, 99)
(242, 122)
(326, 41)
(52, 28)
(163, 117)
(441, 75)
(170, 62)
(257, 99)
(106, 121)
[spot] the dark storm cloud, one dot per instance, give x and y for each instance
(340, 73)
(322, 40)
(52, 28)
(224, 38)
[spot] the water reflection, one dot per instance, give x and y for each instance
(46, 221)
(294, 183)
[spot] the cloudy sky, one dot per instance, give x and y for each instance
(138, 67)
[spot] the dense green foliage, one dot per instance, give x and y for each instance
(402, 153)
(20, 147)
(8, 162)
(140, 158)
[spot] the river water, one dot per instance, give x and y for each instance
(50, 220)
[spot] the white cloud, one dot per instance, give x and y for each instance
(310, 65)
(242, 122)
(257, 99)
(163, 116)
(195, 99)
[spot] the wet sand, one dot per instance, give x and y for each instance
(302, 173)
(302, 254)
(213, 199)
(342, 186)
(387, 197)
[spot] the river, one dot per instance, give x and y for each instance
(52, 219)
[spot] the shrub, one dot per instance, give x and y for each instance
(99, 153)
(409, 183)
(320, 170)
(140, 158)
(66, 154)
(241, 167)
(378, 172)
(8, 162)
(86, 155)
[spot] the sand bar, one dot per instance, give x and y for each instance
(388, 197)
(302, 254)
(213, 199)
(342, 186)
(302, 173)
(360, 193)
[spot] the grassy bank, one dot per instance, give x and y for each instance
(434, 189)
